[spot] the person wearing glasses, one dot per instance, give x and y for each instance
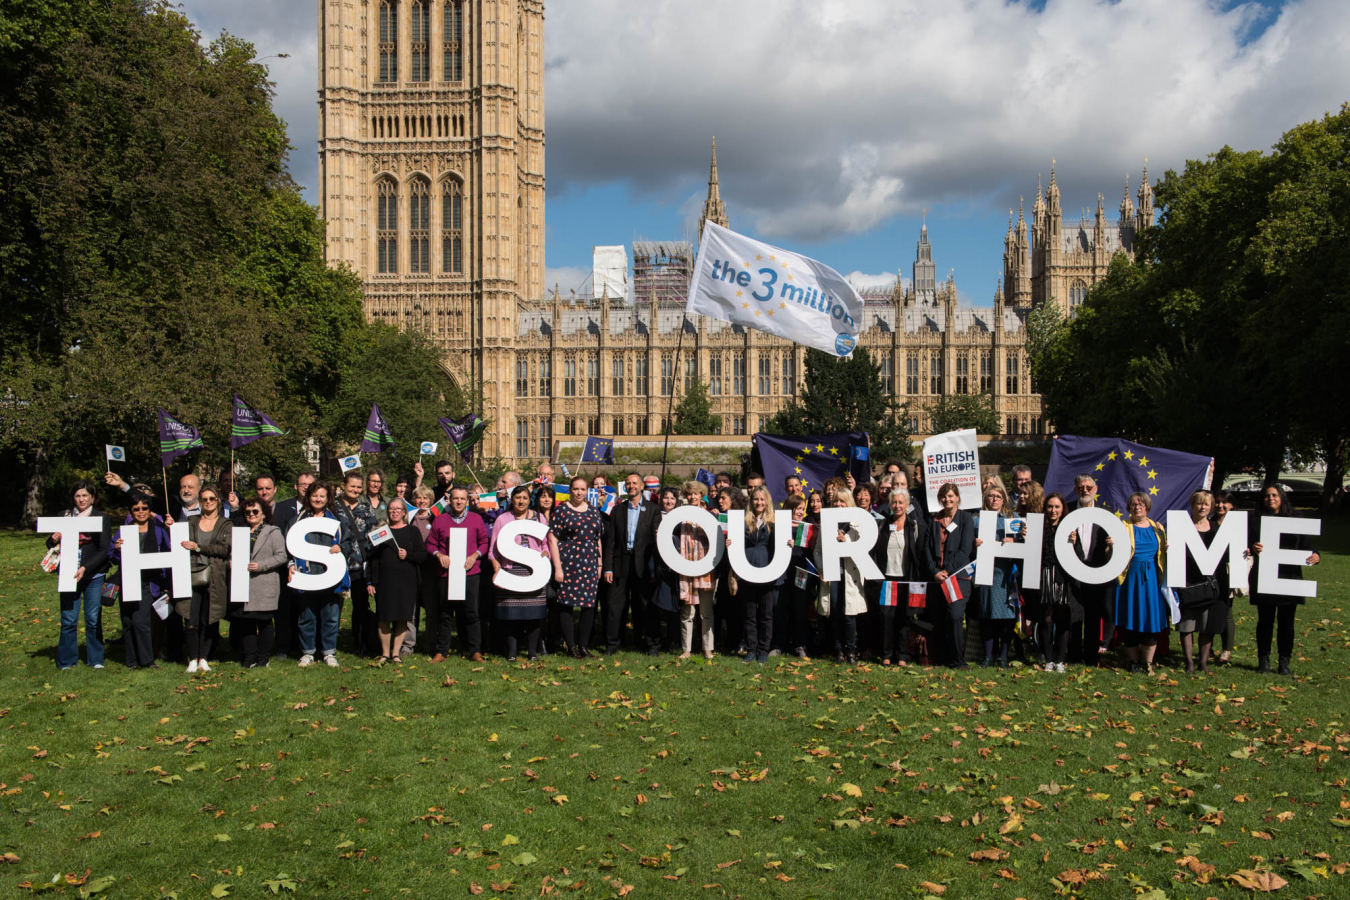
(92, 547)
(266, 561)
(209, 540)
(395, 574)
(154, 538)
(321, 610)
(374, 496)
(1098, 600)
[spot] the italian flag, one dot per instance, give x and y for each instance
(488, 501)
(803, 533)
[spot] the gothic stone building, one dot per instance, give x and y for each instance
(431, 150)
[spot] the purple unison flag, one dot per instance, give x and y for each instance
(377, 437)
(248, 425)
(464, 433)
(176, 438)
(1121, 467)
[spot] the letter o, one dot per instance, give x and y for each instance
(665, 545)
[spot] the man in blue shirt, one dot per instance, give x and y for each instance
(626, 589)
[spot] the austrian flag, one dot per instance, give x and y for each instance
(951, 588)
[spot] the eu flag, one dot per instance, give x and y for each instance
(600, 450)
(1122, 467)
(814, 459)
(703, 476)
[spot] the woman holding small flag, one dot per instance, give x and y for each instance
(395, 578)
(154, 538)
(996, 604)
(574, 544)
(419, 515)
(523, 612)
(949, 548)
(1141, 608)
(898, 553)
(92, 548)
(791, 620)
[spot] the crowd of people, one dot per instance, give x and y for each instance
(612, 589)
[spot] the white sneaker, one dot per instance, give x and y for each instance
(331, 661)
(191, 666)
(203, 667)
(306, 660)
(1061, 668)
(98, 666)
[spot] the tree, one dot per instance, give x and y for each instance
(693, 414)
(958, 411)
(846, 394)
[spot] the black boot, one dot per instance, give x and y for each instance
(1284, 666)
(1263, 665)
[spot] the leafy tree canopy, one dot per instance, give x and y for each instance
(846, 394)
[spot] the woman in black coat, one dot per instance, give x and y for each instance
(395, 578)
(1273, 608)
(948, 550)
(92, 548)
(899, 554)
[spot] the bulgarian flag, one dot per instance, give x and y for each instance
(440, 505)
(803, 533)
(951, 588)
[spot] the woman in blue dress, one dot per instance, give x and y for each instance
(1141, 608)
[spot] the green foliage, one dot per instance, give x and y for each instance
(693, 414)
(957, 411)
(846, 394)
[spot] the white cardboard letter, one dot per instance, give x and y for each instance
(458, 550)
(1028, 550)
(70, 528)
(780, 555)
(1115, 529)
(240, 548)
(834, 551)
(507, 548)
(1268, 580)
(334, 564)
(1182, 538)
(177, 559)
(670, 555)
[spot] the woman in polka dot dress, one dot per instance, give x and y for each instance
(575, 531)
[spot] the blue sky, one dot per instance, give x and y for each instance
(839, 122)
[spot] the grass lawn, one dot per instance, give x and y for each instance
(628, 778)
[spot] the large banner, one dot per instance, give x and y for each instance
(952, 458)
(1122, 467)
(746, 282)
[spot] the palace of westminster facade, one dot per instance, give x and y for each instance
(431, 153)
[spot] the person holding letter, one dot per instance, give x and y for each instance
(575, 546)
(1276, 608)
(465, 611)
(996, 605)
(92, 552)
(1141, 608)
(155, 584)
(1060, 609)
(949, 550)
(1098, 600)
(757, 599)
(664, 581)
(209, 540)
(395, 572)
(898, 553)
(1203, 612)
(842, 601)
(321, 611)
(696, 593)
(522, 612)
(266, 561)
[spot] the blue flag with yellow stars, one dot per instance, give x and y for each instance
(814, 459)
(598, 450)
(1122, 467)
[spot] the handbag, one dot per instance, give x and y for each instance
(1195, 597)
(202, 577)
(51, 560)
(112, 592)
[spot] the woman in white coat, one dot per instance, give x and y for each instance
(842, 601)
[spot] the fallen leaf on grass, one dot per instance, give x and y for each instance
(98, 885)
(1257, 880)
(989, 854)
(932, 888)
(852, 790)
(475, 889)
(727, 865)
(220, 890)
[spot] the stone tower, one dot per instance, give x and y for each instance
(925, 270)
(714, 210)
(431, 166)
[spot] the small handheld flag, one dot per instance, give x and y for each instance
(248, 425)
(349, 463)
(377, 437)
(488, 501)
(115, 453)
(561, 494)
(598, 450)
(380, 535)
(951, 588)
(176, 438)
(464, 433)
(918, 594)
(567, 473)
(651, 484)
(440, 505)
(803, 533)
(428, 448)
(890, 593)
(704, 476)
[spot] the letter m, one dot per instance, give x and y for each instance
(793, 293)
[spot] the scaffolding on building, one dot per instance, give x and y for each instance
(662, 271)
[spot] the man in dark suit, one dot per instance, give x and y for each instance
(1099, 600)
(284, 515)
(626, 589)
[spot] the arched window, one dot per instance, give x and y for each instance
(737, 375)
(715, 375)
(1077, 294)
(789, 373)
(616, 378)
(1012, 370)
(963, 373)
(667, 374)
(419, 234)
(389, 40)
(593, 382)
(454, 40)
(386, 227)
(912, 377)
(452, 228)
(986, 372)
(935, 373)
(421, 37)
(570, 377)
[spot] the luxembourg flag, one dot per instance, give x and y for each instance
(951, 588)
(803, 533)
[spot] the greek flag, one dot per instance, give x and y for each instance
(749, 283)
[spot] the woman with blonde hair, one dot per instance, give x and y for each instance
(842, 601)
(757, 600)
(695, 592)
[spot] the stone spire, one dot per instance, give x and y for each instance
(925, 271)
(1144, 215)
(714, 210)
(1126, 207)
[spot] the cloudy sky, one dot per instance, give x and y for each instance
(838, 122)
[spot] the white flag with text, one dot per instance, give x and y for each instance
(746, 282)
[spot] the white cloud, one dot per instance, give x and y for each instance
(863, 280)
(833, 116)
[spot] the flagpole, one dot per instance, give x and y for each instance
(670, 408)
(165, 471)
(472, 472)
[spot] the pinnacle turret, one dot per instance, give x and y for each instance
(714, 210)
